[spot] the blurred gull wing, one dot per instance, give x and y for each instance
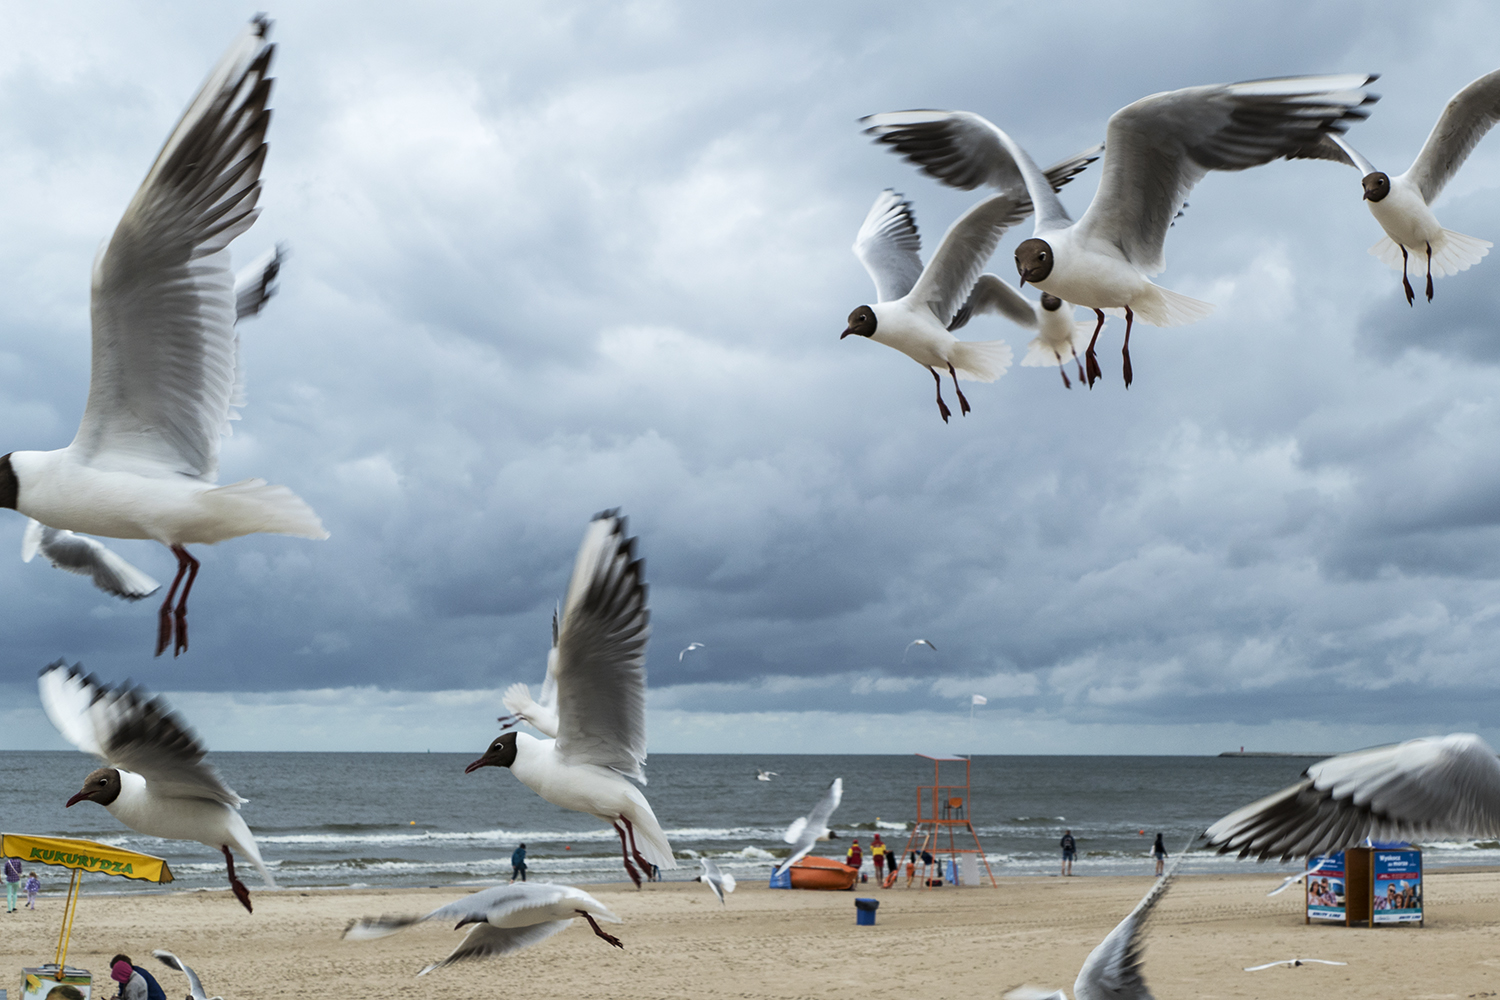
(1160, 146)
(495, 903)
(130, 732)
(165, 355)
(1286, 883)
(888, 244)
(488, 941)
(171, 961)
(87, 557)
(601, 653)
(991, 295)
(720, 882)
(1432, 787)
(1113, 970)
(950, 275)
(1471, 113)
(805, 830)
(256, 284)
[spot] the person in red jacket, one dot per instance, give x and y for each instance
(855, 858)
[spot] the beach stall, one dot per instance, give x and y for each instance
(1380, 883)
(80, 856)
(945, 810)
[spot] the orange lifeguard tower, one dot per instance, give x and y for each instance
(945, 809)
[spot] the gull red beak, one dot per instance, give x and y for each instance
(845, 333)
(475, 766)
(80, 797)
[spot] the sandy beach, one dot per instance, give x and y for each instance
(782, 944)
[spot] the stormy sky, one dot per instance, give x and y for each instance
(549, 259)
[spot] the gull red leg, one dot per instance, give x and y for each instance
(181, 613)
(645, 865)
(1080, 368)
(635, 876)
(1062, 369)
(963, 404)
(1093, 361)
(1129, 319)
(240, 892)
(164, 622)
(1429, 272)
(942, 406)
(1411, 296)
(585, 914)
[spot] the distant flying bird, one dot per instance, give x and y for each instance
(1292, 962)
(156, 782)
(1155, 150)
(1114, 969)
(1058, 332)
(195, 986)
(805, 831)
(719, 882)
(1288, 882)
(600, 672)
(1402, 204)
(916, 642)
(507, 918)
(688, 649)
(253, 288)
(166, 376)
(765, 775)
(1424, 789)
(541, 715)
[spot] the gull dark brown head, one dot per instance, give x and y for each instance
(502, 753)
(1051, 302)
(862, 322)
(1377, 185)
(102, 786)
(1033, 260)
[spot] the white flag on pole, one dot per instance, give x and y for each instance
(980, 699)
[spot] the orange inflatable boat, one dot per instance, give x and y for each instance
(822, 873)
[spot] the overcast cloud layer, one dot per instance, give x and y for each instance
(549, 259)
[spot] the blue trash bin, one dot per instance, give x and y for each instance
(864, 911)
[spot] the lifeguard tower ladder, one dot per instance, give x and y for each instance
(944, 810)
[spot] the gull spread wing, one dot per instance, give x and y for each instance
(130, 732)
(1333, 147)
(991, 295)
(1432, 787)
(165, 356)
(1160, 146)
(87, 557)
(966, 247)
(488, 941)
(1471, 113)
(1113, 970)
(601, 653)
(717, 880)
(496, 903)
(518, 700)
(171, 961)
(256, 284)
(887, 246)
(805, 830)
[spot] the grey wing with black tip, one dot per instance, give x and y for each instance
(805, 830)
(601, 653)
(888, 245)
(488, 941)
(1441, 786)
(165, 355)
(991, 295)
(1162, 145)
(87, 557)
(967, 246)
(256, 284)
(1471, 113)
(171, 961)
(1114, 969)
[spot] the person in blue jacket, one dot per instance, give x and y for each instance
(518, 863)
(135, 982)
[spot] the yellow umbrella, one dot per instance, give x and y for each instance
(81, 856)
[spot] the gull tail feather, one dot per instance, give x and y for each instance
(1451, 253)
(981, 361)
(1163, 307)
(650, 838)
(257, 506)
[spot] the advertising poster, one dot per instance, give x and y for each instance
(1398, 887)
(1325, 887)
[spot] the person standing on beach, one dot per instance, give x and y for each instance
(1159, 852)
(855, 858)
(518, 863)
(1070, 850)
(12, 882)
(33, 886)
(877, 858)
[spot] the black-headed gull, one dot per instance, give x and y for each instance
(1402, 204)
(166, 377)
(1438, 786)
(155, 781)
(805, 831)
(1155, 150)
(540, 713)
(765, 775)
(1058, 331)
(720, 882)
(1114, 969)
(688, 649)
(601, 701)
(195, 985)
(507, 918)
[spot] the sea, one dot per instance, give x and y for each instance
(416, 819)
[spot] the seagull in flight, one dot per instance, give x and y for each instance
(765, 775)
(507, 918)
(195, 986)
(1155, 151)
(1291, 880)
(688, 649)
(916, 642)
(805, 830)
(720, 882)
(1293, 963)
(166, 377)
(600, 670)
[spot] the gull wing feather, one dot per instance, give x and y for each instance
(488, 941)
(601, 653)
(991, 295)
(1471, 113)
(950, 275)
(805, 830)
(887, 246)
(1160, 146)
(1431, 787)
(87, 557)
(256, 285)
(1114, 969)
(132, 731)
(1333, 146)
(165, 353)
(171, 961)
